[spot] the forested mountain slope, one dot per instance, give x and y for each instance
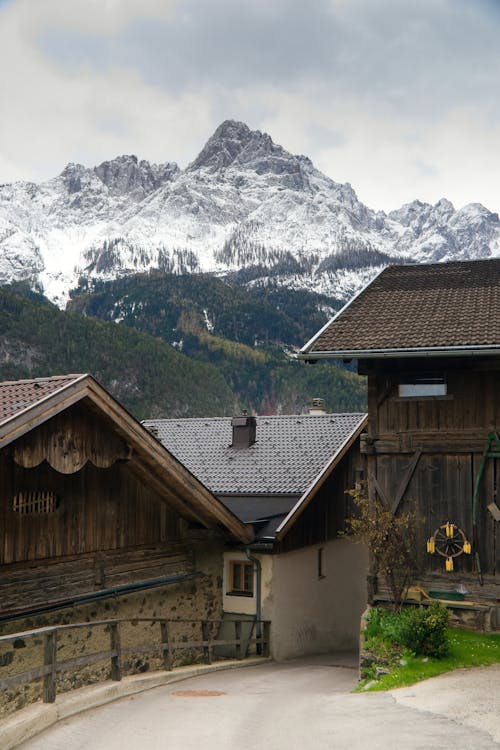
(250, 335)
(145, 374)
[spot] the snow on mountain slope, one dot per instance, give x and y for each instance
(243, 203)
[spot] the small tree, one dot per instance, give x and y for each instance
(392, 541)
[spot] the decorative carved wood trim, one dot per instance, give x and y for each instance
(68, 441)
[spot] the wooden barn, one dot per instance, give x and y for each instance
(94, 510)
(428, 340)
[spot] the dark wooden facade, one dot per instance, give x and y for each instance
(99, 507)
(326, 515)
(105, 526)
(425, 453)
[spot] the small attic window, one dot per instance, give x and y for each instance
(35, 502)
(422, 386)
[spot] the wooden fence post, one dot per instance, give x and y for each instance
(49, 660)
(237, 635)
(116, 646)
(165, 642)
(267, 638)
(205, 636)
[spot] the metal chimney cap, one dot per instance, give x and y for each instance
(317, 406)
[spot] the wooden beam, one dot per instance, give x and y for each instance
(381, 493)
(392, 444)
(405, 481)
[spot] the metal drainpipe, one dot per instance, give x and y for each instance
(258, 596)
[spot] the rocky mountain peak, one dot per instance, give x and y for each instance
(223, 146)
(74, 176)
(127, 175)
(245, 154)
(245, 205)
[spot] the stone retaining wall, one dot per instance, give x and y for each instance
(197, 598)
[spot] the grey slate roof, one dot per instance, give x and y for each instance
(288, 455)
(443, 306)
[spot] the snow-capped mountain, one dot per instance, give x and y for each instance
(243, 203)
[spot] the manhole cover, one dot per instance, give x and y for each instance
(198, 693)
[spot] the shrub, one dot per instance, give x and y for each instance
(392, 540)
(422, 630)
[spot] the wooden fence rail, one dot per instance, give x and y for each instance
(259, 637)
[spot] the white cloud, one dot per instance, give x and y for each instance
(400, 99)
(102, 17)
(52, 116)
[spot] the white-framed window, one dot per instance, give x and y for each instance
(422, 386)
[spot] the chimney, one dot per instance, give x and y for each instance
(317, 406)
(244, 429)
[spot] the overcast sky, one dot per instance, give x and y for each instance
(401, 98)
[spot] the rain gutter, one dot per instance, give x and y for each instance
(428, 352)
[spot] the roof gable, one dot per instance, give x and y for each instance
(445, 308)
(30, 404)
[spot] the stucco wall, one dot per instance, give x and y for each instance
(198, 598)
(311, 614)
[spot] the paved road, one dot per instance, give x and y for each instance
(300, 705)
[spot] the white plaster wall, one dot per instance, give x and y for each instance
(310, 614)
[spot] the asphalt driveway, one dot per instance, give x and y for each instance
(299, 705)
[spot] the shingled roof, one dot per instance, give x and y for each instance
(270, 478)
(18, 395)
(443, 308)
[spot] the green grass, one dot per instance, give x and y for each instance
(466, 649)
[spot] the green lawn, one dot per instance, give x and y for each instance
(466, 649)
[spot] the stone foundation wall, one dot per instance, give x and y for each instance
(197, 598)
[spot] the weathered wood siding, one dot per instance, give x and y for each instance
(102, 503)
(443, 438)
(28, 586)
(326, 515)
(99, 509)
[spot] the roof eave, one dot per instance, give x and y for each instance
(318, 334)
(426, 352)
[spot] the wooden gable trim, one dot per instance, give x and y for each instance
(28, 419)
(174, 482)
(183, 484)
(317, 483)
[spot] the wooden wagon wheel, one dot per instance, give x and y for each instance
(449, 541)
